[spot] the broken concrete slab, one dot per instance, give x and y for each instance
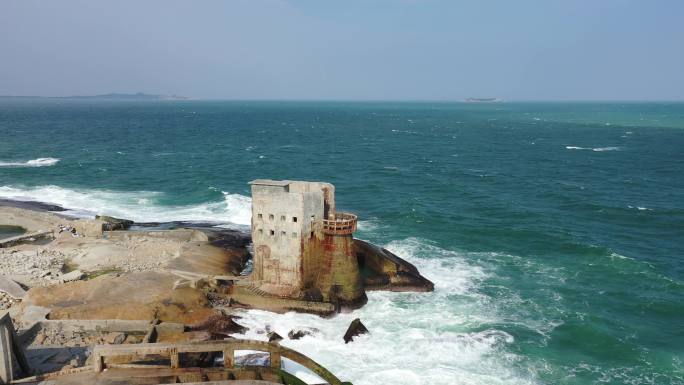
(33, 314)
(11, 288)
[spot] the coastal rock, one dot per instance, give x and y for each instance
(356, 328)
(296, 334)
(11, 288)
(389, 271)
(114, 297)
(274, 337)
(219, 324)
(111, 223)
(73, 276)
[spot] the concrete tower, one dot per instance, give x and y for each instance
(303, 248)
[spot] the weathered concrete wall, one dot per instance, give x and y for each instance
(293, 256)
(11, 354)
(339, 279)
(277, 226)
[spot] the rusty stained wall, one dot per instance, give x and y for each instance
(276, 230)
(340, 276)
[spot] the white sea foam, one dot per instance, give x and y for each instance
(605, 149)
(140, 206)
(368, 225)
(40, 162)
(597, 149)
(415, 338)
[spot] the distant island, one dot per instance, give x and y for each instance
(110, 96)
(483, 100)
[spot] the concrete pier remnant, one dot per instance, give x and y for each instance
(303, 247)
(11, 353)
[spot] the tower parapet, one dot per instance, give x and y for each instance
(340, 224)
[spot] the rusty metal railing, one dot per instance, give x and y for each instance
(341, 224)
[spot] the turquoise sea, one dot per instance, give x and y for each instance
(554, 232)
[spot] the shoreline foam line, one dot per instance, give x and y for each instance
(139, 206)
(39, 162)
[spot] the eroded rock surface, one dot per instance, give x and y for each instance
(385, 270)
(133, 296)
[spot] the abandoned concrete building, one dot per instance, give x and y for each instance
(303, 247)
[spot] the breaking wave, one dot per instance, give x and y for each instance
(597, 149)
(140, 206)
(415, 338)
(40, 162)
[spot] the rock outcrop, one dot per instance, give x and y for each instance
(356, 328)
(386, 271)
(111, 223)
(296, 334)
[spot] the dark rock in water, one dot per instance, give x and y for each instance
(219, 324)
(296, 334)
(112, 223)
(356, 328)
(274, 337)
(386, 271)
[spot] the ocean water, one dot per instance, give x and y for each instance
(554, 232)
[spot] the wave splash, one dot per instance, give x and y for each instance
(40, 162)
(415, 338)
(139, 206)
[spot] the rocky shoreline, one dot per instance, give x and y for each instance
(113, 281)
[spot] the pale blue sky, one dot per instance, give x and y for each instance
(372, 49)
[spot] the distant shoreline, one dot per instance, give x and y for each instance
(110, 96)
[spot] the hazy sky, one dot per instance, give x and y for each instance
(366, 49)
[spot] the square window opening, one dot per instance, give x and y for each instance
(272, 232)
(294, 219)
